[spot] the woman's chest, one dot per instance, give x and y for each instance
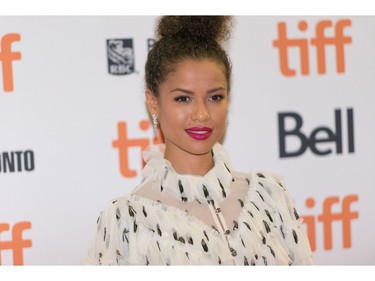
(165, 235)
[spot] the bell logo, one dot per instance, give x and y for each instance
(6, 58)
(124, 143)
(319, 137)
(320, 42)
(17, 243)
(328, 217)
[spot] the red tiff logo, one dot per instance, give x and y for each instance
(320, 42)
(343, 215)
(6, 58)
(17, 243)
(124, 143)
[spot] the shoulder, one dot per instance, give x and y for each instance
(114, 210)
(271, 181)
(293, 231)
(107, 244)
(272, 184)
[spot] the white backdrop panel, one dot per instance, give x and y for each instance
(65, 109)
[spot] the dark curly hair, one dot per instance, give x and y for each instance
(180, 38)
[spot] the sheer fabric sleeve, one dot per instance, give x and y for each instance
(109, 242)
(294, 232)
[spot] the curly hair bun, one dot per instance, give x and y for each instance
(202, 28)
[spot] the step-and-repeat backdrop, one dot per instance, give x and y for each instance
(73, 123)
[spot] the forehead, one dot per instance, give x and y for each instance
(196, 71)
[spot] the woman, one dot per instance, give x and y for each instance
(191, 207)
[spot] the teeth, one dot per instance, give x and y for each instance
(199, 132)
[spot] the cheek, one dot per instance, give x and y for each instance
(173, 116)
(220, 116)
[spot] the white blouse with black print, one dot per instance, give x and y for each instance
(224, 217)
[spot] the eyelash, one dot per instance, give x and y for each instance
(214, 98)
(217, 97)
(182, 98)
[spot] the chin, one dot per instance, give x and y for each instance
(201, 147)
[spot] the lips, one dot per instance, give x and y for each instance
(198, 133)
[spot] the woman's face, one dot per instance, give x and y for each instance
(192, 106)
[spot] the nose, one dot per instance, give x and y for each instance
(200, 112)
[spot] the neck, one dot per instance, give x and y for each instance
(184, 162)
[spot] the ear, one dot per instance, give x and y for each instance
(152, 103)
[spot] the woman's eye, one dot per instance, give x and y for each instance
(182, 99)
(216, 97)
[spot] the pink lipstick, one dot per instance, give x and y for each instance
(198, 133)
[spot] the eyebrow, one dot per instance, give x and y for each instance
(191, 92)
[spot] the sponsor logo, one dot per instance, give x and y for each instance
(120, 55)
(17, 161)
(124, 144)
(320, 137)
(7, 56)
(342, 214)
(320, 42)
(17, 242)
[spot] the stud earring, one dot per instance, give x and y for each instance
(155, 122)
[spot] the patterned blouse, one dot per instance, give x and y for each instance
(223, 217)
